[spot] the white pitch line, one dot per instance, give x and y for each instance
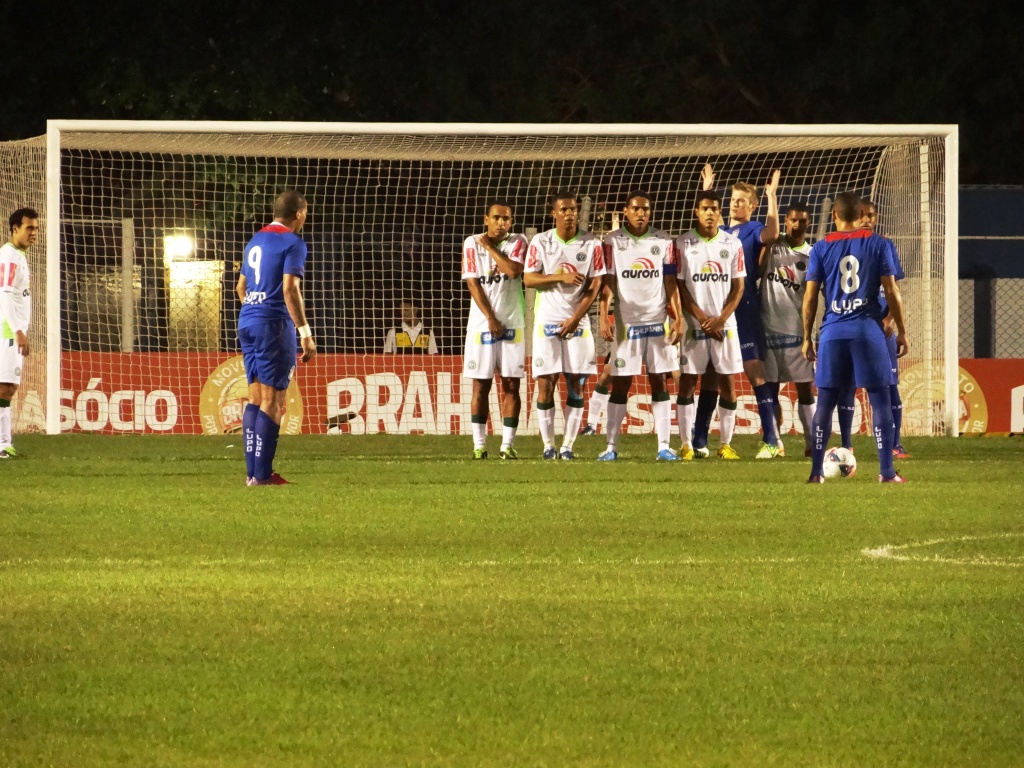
(896, 552)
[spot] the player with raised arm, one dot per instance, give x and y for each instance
(15, 315)
(566, 267)
(782, 269)
(641, 275)
(270, 289)
(492, 268)
(711, 277)
(753, 235)
(852, 265)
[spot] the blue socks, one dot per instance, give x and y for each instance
(707, 402)
(266, 432)
(881, 406)
(897, 413)
(847, 400)
(249, 437)
(828, 397)
(766, 409)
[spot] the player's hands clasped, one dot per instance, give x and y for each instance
(496, 328)
(712, 325)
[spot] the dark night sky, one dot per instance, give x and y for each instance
(602, 61)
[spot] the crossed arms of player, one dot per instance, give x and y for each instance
(291, 287)
(512, 269)
(712, 325)
(892, 298)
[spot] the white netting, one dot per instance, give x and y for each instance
(388, 215)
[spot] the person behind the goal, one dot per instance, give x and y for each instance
(566, 267)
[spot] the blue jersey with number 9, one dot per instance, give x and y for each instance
(273, 252)
(850, 266)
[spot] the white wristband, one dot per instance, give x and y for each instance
(305, 332)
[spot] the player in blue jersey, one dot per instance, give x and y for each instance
(852, 265)
(848, 398)
(270, 288)
(753, 235)
(869, 220)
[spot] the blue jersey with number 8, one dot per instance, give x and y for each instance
(273, 252)
(850, 267)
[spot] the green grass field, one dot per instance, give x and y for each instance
(400, 604)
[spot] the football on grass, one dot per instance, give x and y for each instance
(839, 462)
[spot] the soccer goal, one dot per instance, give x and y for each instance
(144, 223)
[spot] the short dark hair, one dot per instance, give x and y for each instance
(496, 201)
(846, 206)
(288, 204)
(866, 201)
(18, 217)
(708, 194)
(800, 206)
(562, 194)
(638, 193)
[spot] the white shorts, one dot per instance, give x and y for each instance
(483, 356)
(787, 364)
(698, 349)
(11, 362)
(553, 354)
(643, 346)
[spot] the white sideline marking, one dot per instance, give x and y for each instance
(896, 552)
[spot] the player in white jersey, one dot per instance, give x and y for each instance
(566, 267)
(641, 273)
(782, 267)
(15, 315)
(492, 267)
(711, 277)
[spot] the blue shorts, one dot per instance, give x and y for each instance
(894, 366)
(862, 362)
(751, 331)
(269, 350)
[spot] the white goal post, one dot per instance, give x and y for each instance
(144, 221)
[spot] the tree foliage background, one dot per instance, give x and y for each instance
(518, 61)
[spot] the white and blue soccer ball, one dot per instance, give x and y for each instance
(839, 462)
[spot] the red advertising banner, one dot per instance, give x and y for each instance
(204, 393)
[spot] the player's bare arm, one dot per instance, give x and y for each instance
(512, 269)
(607, 291)
(770, 233)
(895, 302)
(678, 327)
(810, 312)
(291, 286)
(689, 305)
(493, 324)
(568, 328)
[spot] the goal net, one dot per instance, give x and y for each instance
(144, 224)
